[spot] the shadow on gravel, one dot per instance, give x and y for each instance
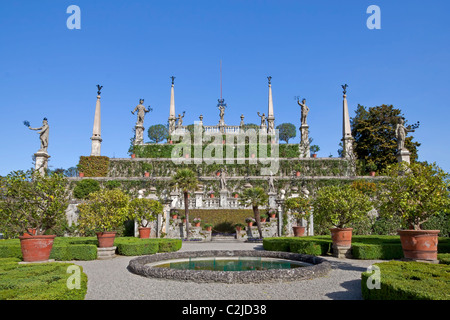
(353, 291)
(346, 266)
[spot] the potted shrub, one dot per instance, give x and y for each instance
(235, 194)
(314, 149)
(174, 214)
(239, 226)
(183, 217)
(415, 193)
(250, 221)
(208, 226)
(211, 194)
(337, 207)
(371, 167)
(300, 207)
(104, 212)
(146, 168)
(33, 205)
(263, 217)
(144, 211)
(197, 222)
(272, 213)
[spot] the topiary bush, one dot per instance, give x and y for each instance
(85, 187)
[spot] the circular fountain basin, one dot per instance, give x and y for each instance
(225, 266)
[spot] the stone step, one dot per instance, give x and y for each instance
(223, 238)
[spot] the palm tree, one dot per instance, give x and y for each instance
(255, 197)
(186, 180)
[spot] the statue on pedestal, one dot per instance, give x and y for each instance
(271, 185)
(43, 134)
(305, 111)
(400, 132)
(180, 120)
(223, 181)
(141, 112)
(263, 120)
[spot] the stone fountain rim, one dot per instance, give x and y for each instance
(319, 267)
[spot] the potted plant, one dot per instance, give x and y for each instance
(415, 192)
(183, 217)
(300, 207)
(272, 213)
(197, 222)
(235, 194)
(81, 174)
(33, 205)
(174, 214)
(239, 226)
(104, 212)
(314, 149)
(337, 207)
(211, 194)
(263, 217)
(146, 168)
(250, 221)
(144, 211)
(371, 167)
(208, 226)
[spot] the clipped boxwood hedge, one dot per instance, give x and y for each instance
(363, 247)
(408, 281)
(131, 246)
(46, 281)
(94, 166)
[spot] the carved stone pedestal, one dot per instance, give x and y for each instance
(106, 253)
(41, 161)
(342, 252)
(403, 156)
(139, 135)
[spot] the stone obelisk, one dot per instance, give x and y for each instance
(96, 131)
(270, 116)
(172, 117)
(347, 139)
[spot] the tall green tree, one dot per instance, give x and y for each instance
(286, 131)
(374, 132)
(255, 197)
(185, 180)
(158, 133)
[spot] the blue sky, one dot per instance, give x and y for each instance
(310, 48)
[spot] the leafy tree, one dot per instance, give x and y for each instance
(255, 197)
(85, 187)
(145, 210)
(105, 210)
(30, 200)
(158, 133)
(415, 193)
(286, 131)
(374, 132)
(300, 207)
(186, 180)
(338, 206)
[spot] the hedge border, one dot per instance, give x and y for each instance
(399, 280)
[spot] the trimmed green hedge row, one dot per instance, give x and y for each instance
(46, 281)
(363, 247)
(408, 281)
(71, 248)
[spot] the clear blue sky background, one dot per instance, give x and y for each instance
(310, 48)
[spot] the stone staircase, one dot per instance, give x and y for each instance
(224, 238)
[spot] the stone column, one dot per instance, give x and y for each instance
(224, 198)
(96, 131)
(165, 216)
(347, 139)
(172, 117)
(270, 115)
(303, 148)
(280, 205)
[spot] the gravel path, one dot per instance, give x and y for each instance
(110, 280)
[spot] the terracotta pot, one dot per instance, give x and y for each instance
(250, 224)
(147, 174)
(144, 232)
(106, 239)
(314, 155)
(31, 231)
(238, 229)
(174, 216)
(342, 236)
(236, 196)
(297, 173)
(212, 196)
(81, 174)
(419, 244)
(208, 228)
(272, 216)
(36, 248)
(197, 224)
(299, 231)
(263, 219)
(133, 156)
